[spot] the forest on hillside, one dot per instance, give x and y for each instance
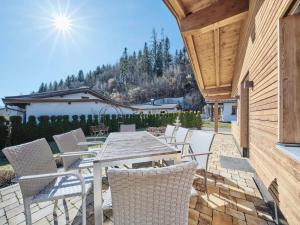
(151, 72)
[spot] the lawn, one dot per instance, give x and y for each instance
(210, 124)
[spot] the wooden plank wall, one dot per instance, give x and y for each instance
(258, 55)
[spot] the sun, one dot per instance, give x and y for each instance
(62, 23)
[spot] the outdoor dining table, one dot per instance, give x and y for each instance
(127, 148)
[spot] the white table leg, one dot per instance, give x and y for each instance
(98, 193)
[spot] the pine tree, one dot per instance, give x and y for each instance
(50, 87)
(68, 82)
(159, 60)
(146, 60)
(154, 46)
(167, 57)
(41, 88)
(80, 76)
(124, 67)
(55, 86)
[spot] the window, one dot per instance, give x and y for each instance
(233, 110)
(289, 79)
(84, 97)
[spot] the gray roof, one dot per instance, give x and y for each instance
(153, 107)
(43, 97)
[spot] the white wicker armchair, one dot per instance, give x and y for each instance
(39, 180)
(152, 196)
(199, 150)
(168, 135)
(83, 141)
(71, 152)
(180, 138)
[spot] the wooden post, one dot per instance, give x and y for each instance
(216, 116)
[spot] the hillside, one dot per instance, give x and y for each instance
(151, 72)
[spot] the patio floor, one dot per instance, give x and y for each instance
(233, 198)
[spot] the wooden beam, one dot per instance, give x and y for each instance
(217, 55)
(176, 8)
(216, 116)
(217, 12)
(218, 90)
(234, 19)
(189, 40)
(217, 97)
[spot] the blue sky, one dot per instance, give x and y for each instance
(32, 50)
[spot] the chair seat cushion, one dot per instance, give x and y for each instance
(66, 186)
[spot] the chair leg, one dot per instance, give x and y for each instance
(83, 210)
(276, 213)
(205, 181)
(27, 212)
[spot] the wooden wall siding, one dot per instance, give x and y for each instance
(211, 32)
(258, 55)
(289, 35)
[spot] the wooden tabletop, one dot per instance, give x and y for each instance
(128, 145)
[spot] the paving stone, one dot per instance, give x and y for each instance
(235, 213)
(253, 220)
(237, 194)
(236, 221)
(204, 218)
(216, 203)
(3, 220)
(204, 209)
(246, 207)
(15, 211)
(220, 218)
(193, 214)
(193, 201)
(17, 219)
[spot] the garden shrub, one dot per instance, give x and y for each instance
(3, 134)
(6, 177)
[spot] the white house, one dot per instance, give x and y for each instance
(11, 111)
(79, 101)
(227, 110)
(155, 108)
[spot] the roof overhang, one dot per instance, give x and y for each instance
(211, 32)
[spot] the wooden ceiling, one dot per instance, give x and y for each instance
(211, 32)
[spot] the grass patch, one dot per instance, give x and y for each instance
(210, 124)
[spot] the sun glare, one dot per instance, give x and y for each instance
(62, 23)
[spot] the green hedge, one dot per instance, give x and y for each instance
(3, 133)
(47, 126)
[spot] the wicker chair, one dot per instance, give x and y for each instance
(152, 196)
(180, 138)
(169, 134)
(39, 180)
(83, 141)
(127, 128)
(71, 152)
(199, 150)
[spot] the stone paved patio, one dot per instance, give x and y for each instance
(233, 199)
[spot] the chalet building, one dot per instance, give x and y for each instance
(250, 51)
(79, 101)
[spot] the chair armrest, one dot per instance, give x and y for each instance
(78, 153)
(196, 154)
(163, 136)
(52, 175)
(89, 143)
(94, 138)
